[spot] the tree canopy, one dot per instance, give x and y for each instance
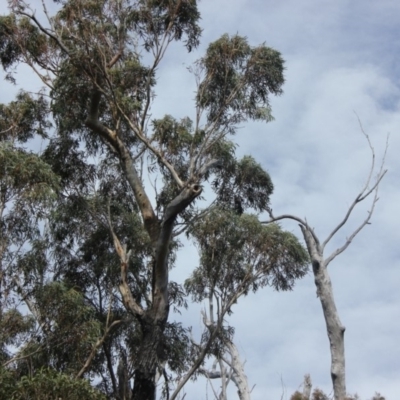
(92, 222)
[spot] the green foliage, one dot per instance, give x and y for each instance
(296, 396)
(14, 330)
(45, 384)
(152, 19)
(238, 254)
(70, 326)
(24, 118)
(378, 396)
(177, 346)
(238, 80)
(242, 184)
(9, 50)
(19, 39)
(319, 395)
(25, 177)
(65, 211)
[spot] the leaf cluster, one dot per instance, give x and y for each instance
(20, 40)
(155, 18)
(239, 254)
(45, 384)
(242, 184)
(24, 118)
(238, 80)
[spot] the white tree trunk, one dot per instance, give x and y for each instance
(238, 376)
(334, 327)
(234, 372)
(307, 386)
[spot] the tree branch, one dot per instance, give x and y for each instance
(160, 274)
(95, 347)
(364, 193)
(45, 31)
(355, 233)
(155, 151)
(128, 300)
(148, 214)
(302, 222)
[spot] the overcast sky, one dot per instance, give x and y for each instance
(341, 57)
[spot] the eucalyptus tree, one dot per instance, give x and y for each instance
(237, 255)
(320, 261)
(27, 188)
(114, 226)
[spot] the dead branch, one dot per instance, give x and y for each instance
(365, 191)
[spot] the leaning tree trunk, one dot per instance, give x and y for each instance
(334, 327)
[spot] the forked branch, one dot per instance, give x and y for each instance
(365, 191)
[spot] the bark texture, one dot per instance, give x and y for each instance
(334, 327)
(238, 375)
(150, 356)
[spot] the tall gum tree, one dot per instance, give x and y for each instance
(89, 56)
(320, 261)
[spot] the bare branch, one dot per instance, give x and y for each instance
(21, 357)
(364, 193)
(128, 300)
(355, 233)
(307, 386)
(302, 222)
(197, 217)
(7, 130)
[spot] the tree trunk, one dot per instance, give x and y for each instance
(150, 357)
(239, 376)
(334, 327)
(124, 389)
(307, 386)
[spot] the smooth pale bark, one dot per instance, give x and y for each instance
(235, 373)
(307, 386)
(334, 327)
(238, 375)
(315, 248)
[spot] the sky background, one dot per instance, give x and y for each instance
(342, 57)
